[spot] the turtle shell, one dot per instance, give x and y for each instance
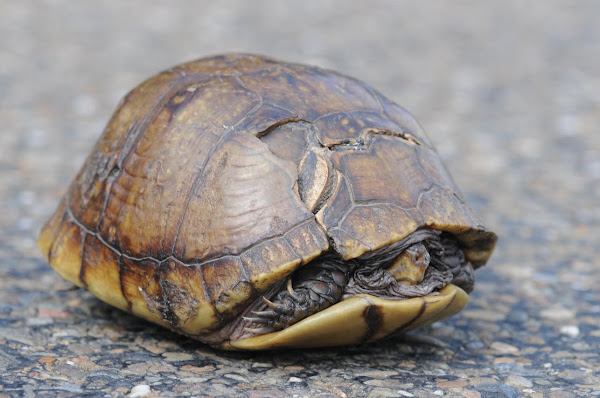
(217, 179)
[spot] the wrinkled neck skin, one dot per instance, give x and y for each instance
(416, 266)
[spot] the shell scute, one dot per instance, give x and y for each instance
(184, 297)
(227, 284)
(100, 272)
(272, 260)
(140, 283)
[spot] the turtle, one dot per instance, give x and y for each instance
(256, 204)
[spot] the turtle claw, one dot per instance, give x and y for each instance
(269, 303)
(262, 330)
(265, 314)
(293, 294)
(277, 307)
(255, 319)
(315, 290)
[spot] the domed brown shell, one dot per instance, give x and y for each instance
(216, 179)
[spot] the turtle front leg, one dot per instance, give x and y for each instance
(311, 289)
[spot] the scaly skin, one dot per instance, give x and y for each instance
(313, 288)
(325, 282)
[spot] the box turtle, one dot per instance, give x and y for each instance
(255, 204)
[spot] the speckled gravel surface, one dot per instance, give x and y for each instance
(508, 91)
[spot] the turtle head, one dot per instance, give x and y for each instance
(410, 266)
